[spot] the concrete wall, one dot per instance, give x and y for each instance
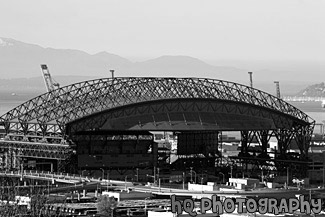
(244, 182)
(160, 214)
(124, 195)
(273, 185)
(197, 187)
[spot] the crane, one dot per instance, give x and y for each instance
(49, 82)
(277, 86)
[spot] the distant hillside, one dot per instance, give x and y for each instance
(20, 68)
(19, 59)
(316, 90)
(185, 66)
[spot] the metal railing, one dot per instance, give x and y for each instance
(60, 177)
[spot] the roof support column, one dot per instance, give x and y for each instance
(244, 142)
(43, 129)
(264, 138)
(303, 137)
(284, 138)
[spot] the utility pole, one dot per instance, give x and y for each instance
(287, 177)
(154, 174)
(323, 174)
(183, 180)
(137, 174)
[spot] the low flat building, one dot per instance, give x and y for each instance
(243, 183)
(128, 195)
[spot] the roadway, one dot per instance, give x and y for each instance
(64, 178)
(78, 182)
(270, 193)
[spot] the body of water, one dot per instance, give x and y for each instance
(312, 109)
(9, 100)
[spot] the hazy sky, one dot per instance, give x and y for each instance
(142, 29)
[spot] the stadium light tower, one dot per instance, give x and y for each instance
(251, 78)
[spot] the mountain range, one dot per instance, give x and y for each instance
(20, 68)
(20, 59)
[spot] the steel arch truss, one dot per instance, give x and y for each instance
(48, 114)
